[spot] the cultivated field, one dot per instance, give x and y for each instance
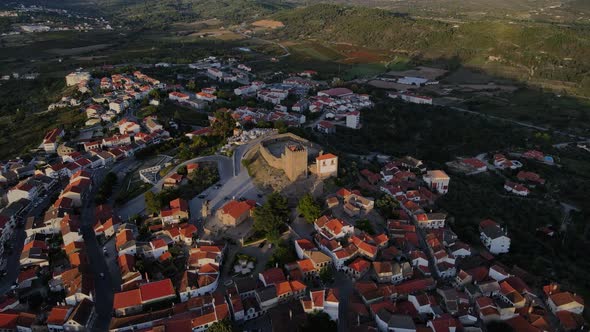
(269, 24)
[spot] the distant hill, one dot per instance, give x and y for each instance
(540, 10)
(160, 13)
(538, 51)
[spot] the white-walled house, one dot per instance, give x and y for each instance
(158, 248)
(566, 301)
(327, 165)
(493, 237)
(437, 180)
(22, 190)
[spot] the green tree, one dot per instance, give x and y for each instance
(326, 274)
(199, 142)
(152, 202)
(221, 326)
(155, 94)
(281, 126)
(181, 170)
(191, 85)
(319, 322)
(365, 225)
(224, 124)
(385, 205)
(284, 253)
(309, 208)
(271, 216)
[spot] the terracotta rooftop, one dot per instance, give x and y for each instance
(127, 299)
(157, 290)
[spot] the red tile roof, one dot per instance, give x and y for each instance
(165, 256)
(8, 321)
(187, 230)
(297, 286)
(158, 243)
(325, 156)
(179, 204)
(127, 299)
(416, 285)
(360, 265)
(27, 274)
(306, 265)
(273, 275)
(236, 208)
(58, 315)
(565, 298)
(474, 162)
(317, 297)
(305, 244)
(204, 319)
(283, 288)
(157, 290)
(123, 237)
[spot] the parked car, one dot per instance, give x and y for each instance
(261, 244)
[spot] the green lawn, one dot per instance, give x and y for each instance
(364, 70)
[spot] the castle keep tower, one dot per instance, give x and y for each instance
(295, 161)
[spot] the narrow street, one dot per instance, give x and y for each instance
(103, 285)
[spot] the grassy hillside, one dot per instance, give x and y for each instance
(532, 50)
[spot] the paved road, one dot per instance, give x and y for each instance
(234, 179)
(13, 260)
(137, 204)
(103, 286)
(344, 285)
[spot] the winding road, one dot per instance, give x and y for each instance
(234, 180)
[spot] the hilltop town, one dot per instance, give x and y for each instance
(183, 204)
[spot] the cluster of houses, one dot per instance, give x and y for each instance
(54, 258)
(524, 181)
(417, 275)
(131, 137)
(339, 105)
(117, 93)
(244, 115)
